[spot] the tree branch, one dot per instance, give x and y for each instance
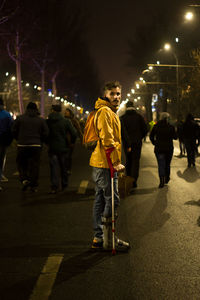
(10, 54)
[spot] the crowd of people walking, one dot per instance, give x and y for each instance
(31, 132)
(60, 131)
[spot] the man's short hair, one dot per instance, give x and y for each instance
(111, 85)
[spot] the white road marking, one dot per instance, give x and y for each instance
(83, 187)
(47, 278)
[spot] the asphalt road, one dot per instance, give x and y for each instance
(45, 239)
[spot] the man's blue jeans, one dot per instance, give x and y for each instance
(103, 198)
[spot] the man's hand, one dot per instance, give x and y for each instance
(119, 168)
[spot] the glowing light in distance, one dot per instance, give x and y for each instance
(189, 16)
(167, 46)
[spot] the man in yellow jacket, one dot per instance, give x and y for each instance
(108, 127)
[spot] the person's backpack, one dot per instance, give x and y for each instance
(90, 136)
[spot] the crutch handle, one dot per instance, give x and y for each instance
(108, 153)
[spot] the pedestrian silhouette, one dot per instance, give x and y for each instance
(162, 136)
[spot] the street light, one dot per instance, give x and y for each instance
(167, 47)
(189, 16)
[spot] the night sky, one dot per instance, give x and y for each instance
(113, 23)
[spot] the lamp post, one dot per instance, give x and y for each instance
(167, 47)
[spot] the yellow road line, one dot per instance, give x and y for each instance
(83, 187)
(47, 278)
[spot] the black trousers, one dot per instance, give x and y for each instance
(59, 167)
(28, 164)
(190, 145)
(133, 160)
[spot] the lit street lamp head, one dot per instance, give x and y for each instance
(189, 16)
(167, 46)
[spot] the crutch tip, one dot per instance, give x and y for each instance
(113, 251)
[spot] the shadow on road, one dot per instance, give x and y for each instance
(189, 174)
(196, 203)
(193, 202)
(156, 218)
(60, 198)
(81, 263)
(143, 191)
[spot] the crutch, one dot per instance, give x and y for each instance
(108, 153)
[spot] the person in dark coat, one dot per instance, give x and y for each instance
(162, 136)
(59, 148)
(75, 122)
(30, 131)
(190, 136)
(5, 134)
(133, 129)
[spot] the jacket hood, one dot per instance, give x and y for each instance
(163, 123)
(55, 116)
(32, 112)
(103, 102)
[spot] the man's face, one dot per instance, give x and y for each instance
(114, 96)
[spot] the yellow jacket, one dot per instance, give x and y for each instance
(108, 128)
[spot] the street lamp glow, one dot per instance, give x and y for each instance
(189, 16)
(128, 95)
(150, 68)
(132, 91)
(13, 78)
(27, 84)
(176, 39)
(167, 46)
(141, 78)
(7, 73)
(137, 85)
